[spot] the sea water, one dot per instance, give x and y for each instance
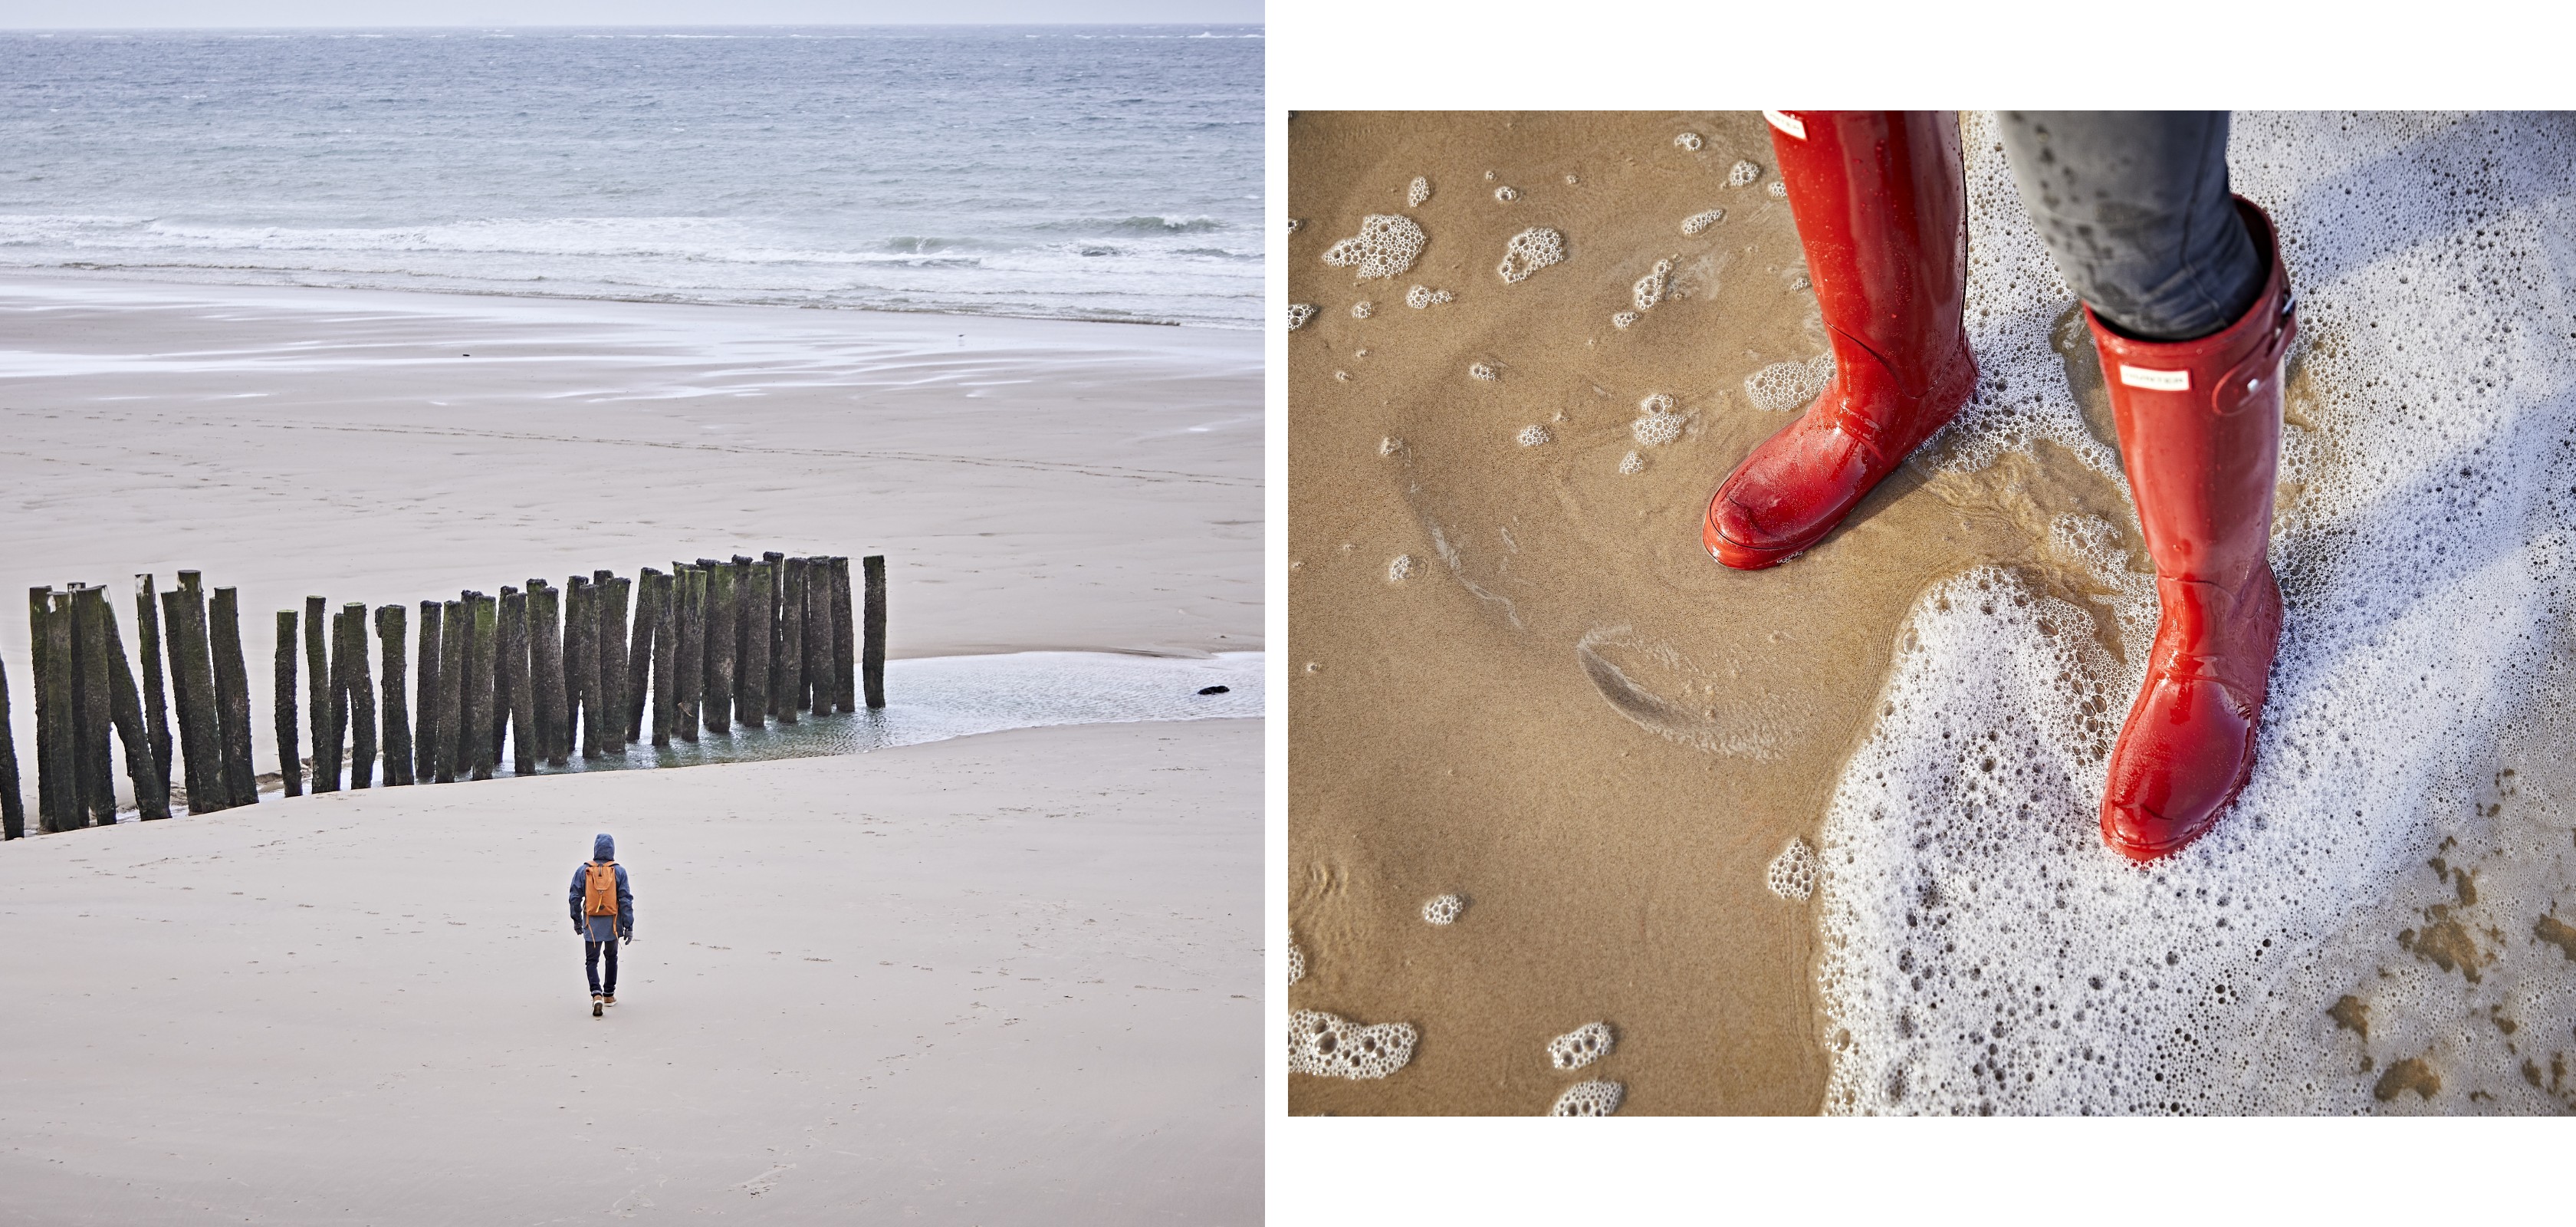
(1101, 173)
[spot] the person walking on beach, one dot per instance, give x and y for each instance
(603, 912)
(2191, 310)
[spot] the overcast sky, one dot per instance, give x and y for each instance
(98, 14)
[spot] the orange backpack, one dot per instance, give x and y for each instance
(599, 889)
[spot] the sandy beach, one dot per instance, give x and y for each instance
(1015, 975)
(1516, 677)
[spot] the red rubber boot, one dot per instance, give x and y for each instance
(1881, 205)
(2200, 436)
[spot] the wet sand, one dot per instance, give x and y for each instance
(1566, 712)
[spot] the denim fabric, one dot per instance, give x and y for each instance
(2134, 207)
(590, 961)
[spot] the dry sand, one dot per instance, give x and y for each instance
(999, 979)
(1567, 713)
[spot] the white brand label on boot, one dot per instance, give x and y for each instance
(1787, 122)
(2154, 380)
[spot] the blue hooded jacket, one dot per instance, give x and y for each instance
(600, 928)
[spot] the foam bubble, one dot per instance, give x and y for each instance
(1482, 370)
(1422, 296)
(1420, 191)
(1532, 435)
(1792, 874)
(1342, 376)
(1444, 910)
(1659, 426)
(1742, 173)
(1389, 445)
(1298, 314)
(1531, 250)
(1687, 141)
(1783, 387)
(1621, 319)
(1293, 223)
(1778, 189)
(1296, 963)
(1360, 310)
(1328, 1046)
(1594, 1098)
(1702, 220)
(1384, 247)
(1631, 465)
(1580, 1047)
(1506, 194)
(1400, 569)
(1649, 289)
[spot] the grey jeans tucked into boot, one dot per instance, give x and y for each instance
(2134, 206)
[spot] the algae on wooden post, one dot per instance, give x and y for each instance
(759, 614)
(360, 682)
(692, 583)
(486, 657)
(453, 634)
(872, 654)
(125, 706)
(192, 679)
(317, 695)
(96, 772)
(290, 762)
(581, 665)
(57, 800)
(429, 682)
(156, 706)
(389, 645)
(546, 663)
(13, 807)
(666, 659)
(845, 649)
(516, 678)
(715, 711)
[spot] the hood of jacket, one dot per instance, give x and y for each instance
(603, 849)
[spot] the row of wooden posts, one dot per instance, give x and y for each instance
(546, 671)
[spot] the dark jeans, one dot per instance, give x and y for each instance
(2134, 206)
(590, 960)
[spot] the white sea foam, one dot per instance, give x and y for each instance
(1399, 569)
(1792, 874)
(1580, 1047)
(1298, 314)
(1649, 289)
(1984, 952)
(1533, 435)
(1360, 310)
(1334, 1047)
(1422, 296)
(1631, 464)
(1702, 220)
(1443, 910)
(1531, 250)
(1384, 247)
(1687, 141)
(1417, 193)
(1595, 1098)
(1505, 194)
(1742, 173)
(1785, 387)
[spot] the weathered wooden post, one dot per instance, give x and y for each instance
(872, 658)
(845, 644)
(486, 658)
(126, 708)
(361, 685)
(429, 682)
(317, 695)
(192, 677)
(232, 698)
(788, 678)
(759, 613)
(639, 659)
(739, 660)
(290, 763)
(546, 662)
(453, 634)
(389, 645)
(156, 708)
(819, 687)
(503, 701)
(515, 676)
(13, 807)
(692, 584)
(337, 661)
(715, 710)
(57, 796)
(97, 773)
(615, 593)
(666, 659)
(581, 666)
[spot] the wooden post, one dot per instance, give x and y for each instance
(546, 662)
(503, 701)
(666, 663)
(453, 634)
(389, 646)
(615, 593)
(317, 696)
(581, 666)
(778, 670)
(791, 645)
(13, 807)
(845, 649)
(738, 609)
(692, 584)
(56, 800)
(97, 773)
(360, 682)
(486, 658)
(759, 613)
(156, 707)
(716, 706)
(639, 652)
(428, 682)
(232, 698)
(519, 681)
(338, 711)
(192, 678)
(125, 706)
(290, 763)
(819, 689)
(872, 658)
